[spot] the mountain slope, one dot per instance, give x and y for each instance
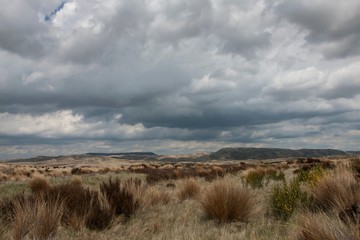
(271, 153)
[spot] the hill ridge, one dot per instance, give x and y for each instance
(243, 153)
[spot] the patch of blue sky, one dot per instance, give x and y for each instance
(48, 17)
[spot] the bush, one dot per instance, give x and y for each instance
(275, 175)
(256, 178)
(226, 201)
(261, 177)
(312, 175)
(286, 198)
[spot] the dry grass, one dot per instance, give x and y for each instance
(321, 227)
(227, 201)
(337, 190)
(154, 211)
(100, 213)
(38, 184)
(190, 188)
(153, 196)
(36, 219)
(122, 198)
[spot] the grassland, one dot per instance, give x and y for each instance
(118, 199)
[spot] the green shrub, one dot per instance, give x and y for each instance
(256, 178)
(312, 175)
(286, 198)
(272, 174)
(261, 177)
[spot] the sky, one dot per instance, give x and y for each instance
(178, 76)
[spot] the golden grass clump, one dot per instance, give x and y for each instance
(338, 190)
(227, 201)
(38, 184)
(36, 219)
(76, 180)
(3, 177)
(189, 189)
(321, 227)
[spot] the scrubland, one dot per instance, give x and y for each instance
(300, 199)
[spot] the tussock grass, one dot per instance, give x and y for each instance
(153, 196)
(321, 227)
(227, 201)
(100, 213)
(36, 219)
(122, 197)
(38, 184)
(7, 207)
(337, 190)
(150, 211)
(190, 188)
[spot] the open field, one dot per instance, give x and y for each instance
(106, 198)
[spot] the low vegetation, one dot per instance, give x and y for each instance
(227, 201)
(286, 198)
(293, 199)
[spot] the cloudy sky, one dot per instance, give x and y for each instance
(178, 76)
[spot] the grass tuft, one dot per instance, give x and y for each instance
(321, 227)
(37, 219)
(338, 190)
(227, 201)
(38, 184)
(189, 189)
(122, 198)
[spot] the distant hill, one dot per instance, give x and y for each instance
(34, 159)
(123, 153)
(222, 154)
(126, 155)
(271, 153)
(354, 152)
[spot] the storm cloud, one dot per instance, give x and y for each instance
(177, 76)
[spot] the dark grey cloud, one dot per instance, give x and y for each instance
(177, 76)
(22, 31)
(334, 28)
